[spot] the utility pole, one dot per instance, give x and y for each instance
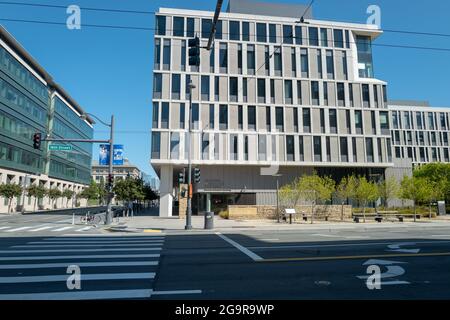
(214, 23)
(189, 200)
(110, 186)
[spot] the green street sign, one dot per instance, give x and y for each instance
(59, 147)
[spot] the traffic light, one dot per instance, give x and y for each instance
(181, 177)
(110, 180)
(37, 140)
(197, 175)
(194, 51)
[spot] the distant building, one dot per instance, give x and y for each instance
(31, 102)
(100, 172)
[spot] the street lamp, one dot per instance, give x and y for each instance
(111, 147)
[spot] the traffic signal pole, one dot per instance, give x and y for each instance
(189, 199)
(108, 219)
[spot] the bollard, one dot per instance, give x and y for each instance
(290, 218)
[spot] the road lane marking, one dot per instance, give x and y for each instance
(84, 229)
(90, 256)
(176, 292)
(84, 277)
(85, 245)
(326, 235)
(62, 229)
(2, 228)
(341, 245)
(103, 238)
(80, 295)
(80, 264)
(40, 229)
(80, 250)
(269, 239)
(243, 249)
(375, 256)
(96, 242)
(19, 229)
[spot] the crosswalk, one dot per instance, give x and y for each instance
(13, 228)
(111, 267)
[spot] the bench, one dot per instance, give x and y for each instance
(382, 215)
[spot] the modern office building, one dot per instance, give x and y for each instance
(30, 102)
(275, 98)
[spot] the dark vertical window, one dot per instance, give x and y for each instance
(315, 92)
(298, 35)
(157, 61)
(358, 122)
(216, 88)
(261, 84)
(299, 92)
(156, 145)
(330, 64)
(211, 116)
(165, 115)
(157, 85)
(245, 31)
(176, 86)
(218, 34)
(178, 26)
(261, 34)
(233, 89)
(301, 148)
(306, 120)
(338, 38)
(190, 27)
(279, 119)
(277, 62)
(251, 117)
(206, 28)
(183, 55)
(304, 62)
(223, 57)
(369, 149)
(317, 149)
(240, 118)
(246, 148)
(251, 59)
(328, 147)
(155, 115)
(205, 88)
(322, 120)
(355, 152)
(313, 36)
(333, 120)
(182, 115)
(296, 119)
(240, 58)
(290, 149)
(272, 33)
(223, 117)
(288, 34)
(366, 95)
(160, 25)
(288, 91)
(166, 55)
(268, 119)
(211, 60)
(344, 149)
(195, 116)
(341, 94)
(235, 33)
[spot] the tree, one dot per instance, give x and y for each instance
(36, 191)
(91, 192)
(388, 189)
(414, 189)
(316, 189)
(438, 174)
(54, 194)
(68, 194)
(10, 191)
(346, 190)
(129, 189)
(366, 192)
(432, 191)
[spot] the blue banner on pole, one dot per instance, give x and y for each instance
(103, 158)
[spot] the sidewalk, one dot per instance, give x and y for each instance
(155, 224)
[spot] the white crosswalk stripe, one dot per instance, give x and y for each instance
(45, 227)
(115, 267)
(62, 229)
(18, 229)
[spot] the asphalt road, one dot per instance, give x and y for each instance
(240, 264)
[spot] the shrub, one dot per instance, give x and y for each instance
(224, 214)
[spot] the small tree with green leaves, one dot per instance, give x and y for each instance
(316, 189)
(433, 191)
(346, 190)
(414, 189)
(36, 191)
(10, 191)
(366, 192)
(68, 194)
(54, 194)
(388, 189)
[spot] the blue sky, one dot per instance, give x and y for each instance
(110, 71)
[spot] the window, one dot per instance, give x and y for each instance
(245, 31)
(306, 120)
(338, 38)
(218, 34)
(319, 63)
(233, 147)
(205, 88)
(288, 91)
(223, 58)
(251, 116)
(315, 92)
(347, 39)
(234, 31)
(341, 94)
(288, 34)
(299, 92)
(182, 115)
(272, 91)
(344, 149)
(325, 93)
(176, 86)
(344, 64)
(206, 28)
(165, 115)
(156, 145)
(274, 147)
(183, 55)
(240, 118)
(272, 33)
(216, 88)
(317, 149)
(364, 46)
(279, 119)
(266, 60)
(240, 58)
(355, 153)
(366, 95)
(348, 122)
(384, 122)
(157, 55)
(261, 34)
(188, 80)
(175, 145)
(322, 120)
(155, 115)
(298, 35)
(160, 25)
(313, 37)
(233, 89)
(166, 55)
(369, 149)
(296, 119)
(244, 89)
(223, 117)
(190, 28)
(323, 37)
(178, 26)
(330, 64)
(293, 63)
(261, 90)
(374, 126)
(246, 148)
(262, 148)
(211, 59)
(358, 122)
(442, 118)
(251, 59)
(211, 116)
(216, 146)
(277, 61)
(301, 149)
(157, 85)
(195, 116)
(304, 62)
(430, 121)
(290, 150)
(328, 147)
(268, 119)
(350, 94)
(333, 120)
(205, 146)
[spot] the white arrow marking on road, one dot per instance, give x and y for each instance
(392, 272)
(381, 262)
(396, 247)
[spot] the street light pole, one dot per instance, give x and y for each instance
(111, 154)
(189, 200)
